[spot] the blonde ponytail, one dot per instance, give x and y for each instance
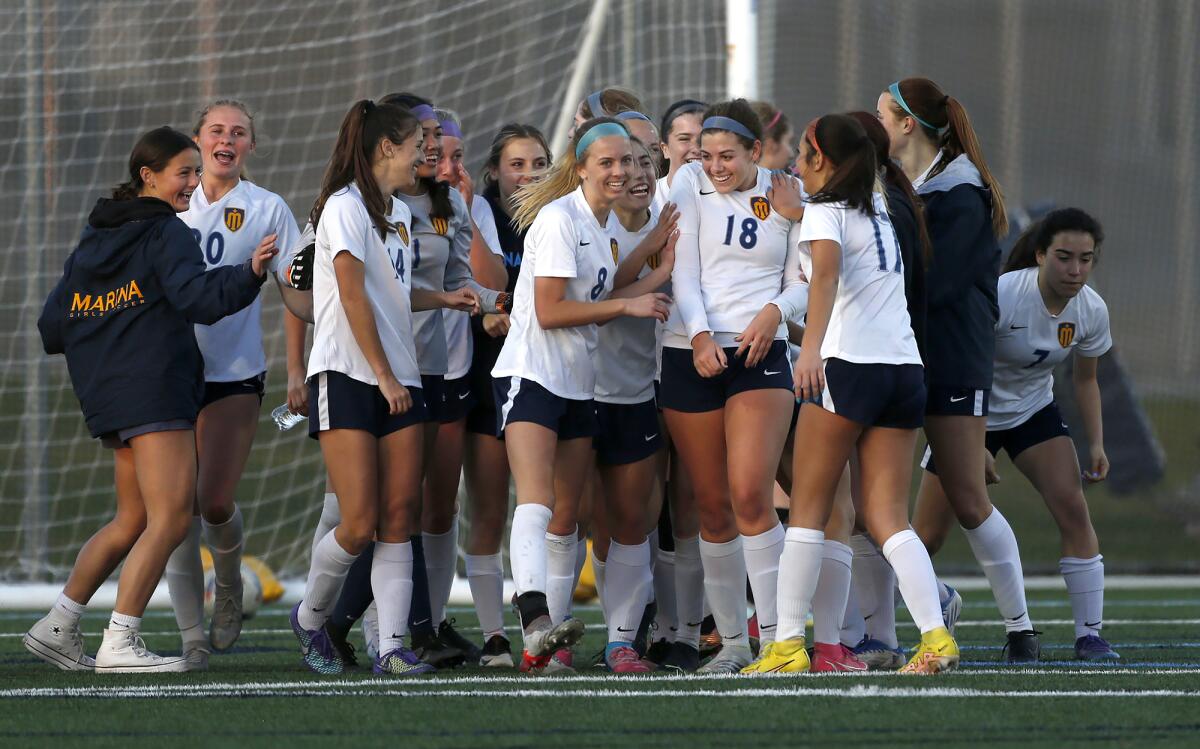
(961, 138)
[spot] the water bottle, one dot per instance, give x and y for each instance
(285, 419)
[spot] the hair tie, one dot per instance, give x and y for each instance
(368, 105)
(595, 105)
(730, 124)
(894, 90)
(810, 134)
(945, 100)
(631, 115)
(774, 119)
(424, 112)
(602, 130)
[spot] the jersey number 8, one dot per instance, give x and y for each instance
(748, 236)
(598, 289)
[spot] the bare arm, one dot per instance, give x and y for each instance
(299, 303)
(352, 290)
(823, 286)
(1087, 395)
(487, 266)
(295, 332)
(554, 310)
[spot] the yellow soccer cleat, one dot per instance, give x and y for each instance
(937, 653)
(782, 657)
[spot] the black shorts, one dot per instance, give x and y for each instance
(482, 418)
(626, 432)
(215, 391)
(683, 389)
(338, 401)
(1043, 426)
(875, 395)
(457, 399)
(951, 401)
(120, 438)
(525, 400)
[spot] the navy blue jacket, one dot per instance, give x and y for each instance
(904, 220)
(123, 313)
(961, 280)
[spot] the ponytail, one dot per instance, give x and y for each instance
(943, 120)
(154, 150)
(894, 175)
(844, 143)
(362, 128)
(1037, 238)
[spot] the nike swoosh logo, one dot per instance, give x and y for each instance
(651, 436)
(317, 611)
(463, 396)
(1017, 327)
(956, 400)
(1093, 624)
(767, 626)
(710, 192)
(734, 637)
(396, 636)
(423, 621)
(769, 372)
(694, 624)
(781, 666)
(624, 630)
(584, 244)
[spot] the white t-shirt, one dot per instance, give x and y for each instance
(627, 347)
(228, 231)
(662, 193)
(387, 266)
(1030, 343)
(732, 259)
(565, 241)
(869, 323)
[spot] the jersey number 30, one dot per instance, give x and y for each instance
(214, 248)
(748, 236)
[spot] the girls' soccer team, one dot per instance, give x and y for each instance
(611, 329)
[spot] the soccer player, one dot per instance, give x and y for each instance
(123, 313)
(628, 437)
(680, 131)
(779, 148)
(229, 217)
(860, 378)
(607, 102)
(364, 378)
(1048, 313)
(932, 138)
(726, 376)
(544, 376)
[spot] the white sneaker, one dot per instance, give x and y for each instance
(123, 652)
(227, 615)
(548, 640)
(196, 655)
(370, 630)
(59, 645)
(730, 660)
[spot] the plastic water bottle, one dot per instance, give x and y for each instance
(285, 419)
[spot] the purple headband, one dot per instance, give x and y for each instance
(424, 112)
(450, 128)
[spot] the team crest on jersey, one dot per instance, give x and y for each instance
(234, 218)
(402, 230)
(440, 225)
(1066, 333)
(612, 244)
(761, 208)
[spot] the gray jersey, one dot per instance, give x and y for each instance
(627, 350)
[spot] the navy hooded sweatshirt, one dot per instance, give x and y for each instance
(908, 234)
(960, 325)
(123, 313)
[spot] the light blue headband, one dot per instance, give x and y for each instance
(602, 130)
(632, 116)
(894, 90)
(594, 104)
(730, 124)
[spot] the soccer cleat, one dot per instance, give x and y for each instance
(659, 651)
(1094, 648)
(682, 658)
(123, 652)
(319, 653)
(343, 647)
(730, 660)
(436, 652)
(779, 657)
(532, 664)
(226, 624)
(58, 645)
(623, 659)
(835, 658)
(710, 638)
(641, 640)
(938, 652)
(561, 663)
(196, 655)
(1023, 647)
(951, 608)
(878, 656)
(547, 640)
(370, 631)
(402, 662)
(451, 637)
(496, 653)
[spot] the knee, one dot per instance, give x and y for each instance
(716, 517)
(971, 509)
(171, 529)
(127, 529)
(354, 534)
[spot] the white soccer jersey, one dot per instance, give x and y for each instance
(869, 323)
(1030, 343)
(346, 226)
(228, 231)
(732, 258)
(627, 348)
(661, 192)
(565, 241)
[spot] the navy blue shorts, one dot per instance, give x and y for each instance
(457, 399)
(950, 401)
(338, 401)
(626, 432)
(875, 395)
(525, 400)
(120, 438)
(683, 389)
(1043, 426)
(215, 391)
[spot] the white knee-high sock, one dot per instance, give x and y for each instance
(914, 573)
(799, 569)
(725, 587)
(628, 583)
(600, 571)
(562, 553)
(185, 582)
(853, 627)
(833, 589)
(1085, 587)
(689, 590)
(527, 547)
(995, 547)
(662, 567)
(326, 573)
(331, 516)
(441, 562)
(874, 581)
(225, 541)
(581, 555)
(762, 566)
(392, 585)
(485, 575)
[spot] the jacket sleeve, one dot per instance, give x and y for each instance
(201, 296)
(955, 219)
(458, 265)
(50, 324)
